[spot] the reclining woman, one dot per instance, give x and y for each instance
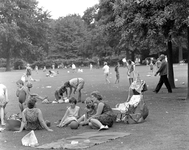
(104, 117)
(134, 107)
(32, 118)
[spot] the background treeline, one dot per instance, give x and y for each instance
(108, 31)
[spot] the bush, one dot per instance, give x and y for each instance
(19, 64)
(2, 62)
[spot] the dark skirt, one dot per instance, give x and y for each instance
(107, 118)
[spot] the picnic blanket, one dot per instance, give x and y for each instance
(84, 140)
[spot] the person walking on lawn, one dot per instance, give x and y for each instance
(163, 75)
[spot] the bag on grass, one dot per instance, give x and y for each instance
(30, 139)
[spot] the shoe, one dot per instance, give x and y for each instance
(170, 92)
(103, 128)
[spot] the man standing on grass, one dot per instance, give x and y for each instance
(163, 75)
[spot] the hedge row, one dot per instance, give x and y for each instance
(79, 62)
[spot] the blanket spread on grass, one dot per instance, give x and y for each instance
(84, 140)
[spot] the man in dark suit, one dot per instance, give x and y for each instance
(163, 75)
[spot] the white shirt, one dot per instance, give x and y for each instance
(73, 66)
(106, 69)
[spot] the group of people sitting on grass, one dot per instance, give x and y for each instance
(98, 114)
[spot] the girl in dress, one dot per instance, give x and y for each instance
(130, 73)
(72, 113)
(3, 101)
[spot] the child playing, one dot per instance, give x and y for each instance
(72, 113)
(29, 73)
(151, 66)
(106, 70)
(3, 101)
(59, 93)
(22, 93)
(117, 73)
(90, 110)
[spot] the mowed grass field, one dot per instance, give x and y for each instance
(165, 128)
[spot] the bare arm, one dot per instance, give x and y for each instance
(63, 118)
(129, 95)
(23, 123)
(41, 120)
(6, 98)
(99, 109)
(70, 92)
(79, 113)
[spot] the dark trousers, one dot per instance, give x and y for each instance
(163, 79)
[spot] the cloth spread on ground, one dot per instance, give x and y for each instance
(84, 140)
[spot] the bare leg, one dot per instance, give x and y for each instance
(21, 107)
(96, 123)
(79, 96)
(2, 116)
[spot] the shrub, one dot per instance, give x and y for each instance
(2, 62)
(19, 64)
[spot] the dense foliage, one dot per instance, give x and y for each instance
(108, 30)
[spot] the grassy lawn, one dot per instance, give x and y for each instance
(165, 128)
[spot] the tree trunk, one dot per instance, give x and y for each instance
(180, 53)
(8, 57)
(188, 61)
(170, 64)
(8, 67)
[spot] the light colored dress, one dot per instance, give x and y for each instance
(72, 115)
(131, 70)
(3, 95)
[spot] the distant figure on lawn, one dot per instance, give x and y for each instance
(29, 73)
(163, 75)
(75, 84)
(106, 70)
(117, 73)
(32, 118)
(158, 64)
(73, 67)
(51, 73)
(130, 71)
(91, 66)
(151, 66)
(3, 102)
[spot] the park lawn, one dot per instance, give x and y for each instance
(165, 128)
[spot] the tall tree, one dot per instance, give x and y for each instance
(22, 29)
(71, 34)
(148, 21)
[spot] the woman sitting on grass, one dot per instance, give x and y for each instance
(90, 110)
(72, 113)
(32, 118)
(104, 117)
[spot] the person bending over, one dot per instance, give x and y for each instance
(74, 85)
